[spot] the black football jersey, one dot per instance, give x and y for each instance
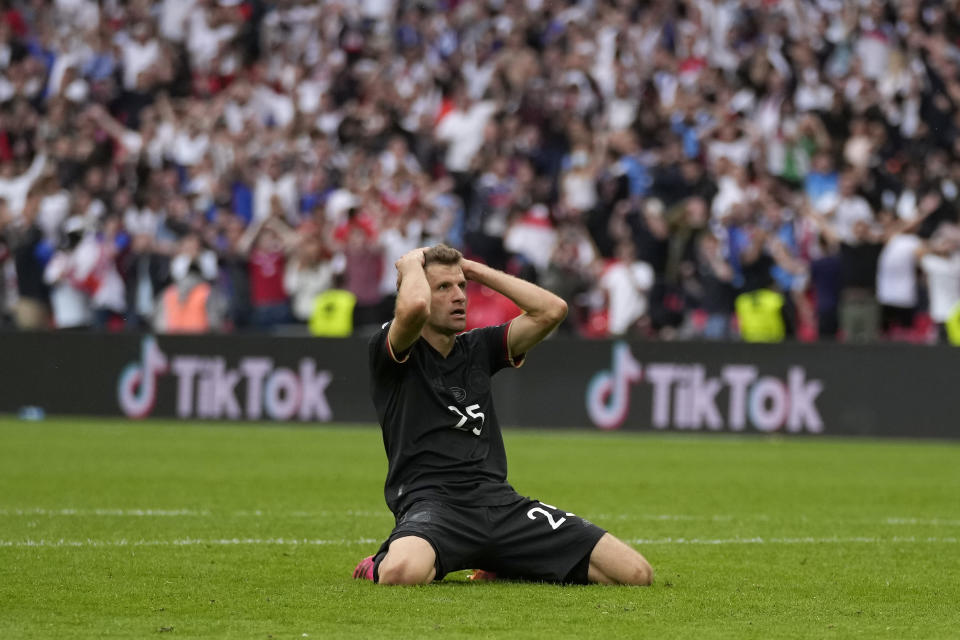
(440, 429)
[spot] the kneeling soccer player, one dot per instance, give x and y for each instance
(447, 478)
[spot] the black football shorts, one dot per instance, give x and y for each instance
(526, 540)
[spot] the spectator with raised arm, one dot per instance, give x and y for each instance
(940, 261)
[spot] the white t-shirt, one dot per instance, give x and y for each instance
(274, 106)
(874, 53)
(71, 305)
(189, 150)
(579, 190)
(303, 285)
(156, 149)
(736, 151)
(378, 9)
(478, 77)
(54, 209)
(849, 211)
(396, 243)
(907, 205)
(81, 15)
(626, 287)
(284, 188)
(621, 112)
(943, 284)
(897, 272)
(463, 131)
(730, 193)
(137, 58)
(141, 221)
(112, 292)
(204, 40)
(533, 240)
(173, 18)
(813, 97)
(14, 190)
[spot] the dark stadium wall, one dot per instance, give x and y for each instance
(819, 389)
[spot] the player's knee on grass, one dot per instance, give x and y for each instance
(614, 562)
(635, 572)
(410, 560)
(639, 573)
(401, 572)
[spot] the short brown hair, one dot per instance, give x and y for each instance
(441, 254)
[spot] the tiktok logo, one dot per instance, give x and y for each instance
(207, 387)
(608, 395)
(137, 388)
(684, 395)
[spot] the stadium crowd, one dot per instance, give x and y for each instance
(672, 169)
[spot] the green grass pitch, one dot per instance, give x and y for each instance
(110, 529)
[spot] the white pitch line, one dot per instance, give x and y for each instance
(257, 513)
(186, 542)
(189, 542)
(936, 522)
(804, 540)
(673, 517)
(39, 511)
(105, 512)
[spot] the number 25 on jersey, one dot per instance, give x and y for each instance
(473, 415)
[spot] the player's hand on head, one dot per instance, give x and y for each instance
(468, 268)
(411, 257)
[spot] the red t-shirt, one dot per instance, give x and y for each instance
(266, 277)
(363, 221)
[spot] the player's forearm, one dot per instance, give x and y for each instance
(413, 294)
(536, 301)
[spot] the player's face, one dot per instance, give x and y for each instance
(448, 303)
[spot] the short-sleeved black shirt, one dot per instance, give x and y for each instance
(440, 429)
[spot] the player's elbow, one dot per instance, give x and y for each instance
(555, 313)
(413, 311)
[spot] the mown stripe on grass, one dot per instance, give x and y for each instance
(361, 513)
(187, 542)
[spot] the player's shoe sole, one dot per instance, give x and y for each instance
(482, 576)
(364, 570)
